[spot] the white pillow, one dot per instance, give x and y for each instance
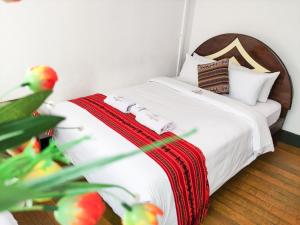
(244, 86)
(202, 59)
(189, 71)
(266, 89)
(265, 92)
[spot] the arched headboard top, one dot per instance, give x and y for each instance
(253, 54)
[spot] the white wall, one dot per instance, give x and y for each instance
(275, 22)
(93, 44)
(98, 45)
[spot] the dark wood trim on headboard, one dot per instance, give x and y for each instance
(282, 90)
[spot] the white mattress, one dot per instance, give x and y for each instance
(230, 135)
(271, 110)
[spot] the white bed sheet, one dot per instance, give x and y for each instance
(228, 139)
(271, 110)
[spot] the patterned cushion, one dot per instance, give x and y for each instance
(214, 76)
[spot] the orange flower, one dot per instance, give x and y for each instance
(40, 78)
(84, 209)
(142, 214)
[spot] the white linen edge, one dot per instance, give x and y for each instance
(262, 139)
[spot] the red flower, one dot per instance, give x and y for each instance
(84, 209)
(33, 144)
(40, 78)
(142, 214)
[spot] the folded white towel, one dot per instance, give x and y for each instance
(135, 109)
(154, 122)
(121, 103)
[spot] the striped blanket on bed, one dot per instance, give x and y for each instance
(183, 163)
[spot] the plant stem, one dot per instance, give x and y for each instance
(49, 208)
(123, 203)
(126, 206)
(89, 188)
(71, 144)
(73, 172)
(25, 84)
(69, 128)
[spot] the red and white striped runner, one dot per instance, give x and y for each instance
(183, 162)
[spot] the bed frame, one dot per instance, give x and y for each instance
(253, 54)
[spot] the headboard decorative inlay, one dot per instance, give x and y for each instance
(237, 44)
(253, 54)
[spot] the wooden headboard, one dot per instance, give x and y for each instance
(253, 54)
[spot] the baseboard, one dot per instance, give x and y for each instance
(289, 138)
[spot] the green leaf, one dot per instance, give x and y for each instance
(78, 188)
(21, 164)
(17, 132)
(56, 184)
(57, 154)
(12, 195)
(22, 107)
(74, 172)
(15, 167)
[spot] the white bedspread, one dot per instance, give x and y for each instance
(230, 134)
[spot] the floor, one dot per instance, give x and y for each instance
(266, 192)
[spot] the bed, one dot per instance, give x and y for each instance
(230, 134)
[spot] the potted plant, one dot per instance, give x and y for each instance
(32, 176)
(37, 175)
